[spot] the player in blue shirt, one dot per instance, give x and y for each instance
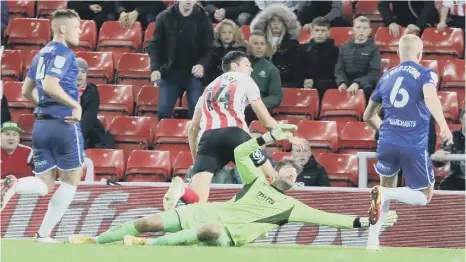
(408, 94)
(57, 140)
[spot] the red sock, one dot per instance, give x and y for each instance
(190, 197)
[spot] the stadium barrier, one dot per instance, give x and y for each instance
(96, 207)
(364, 156)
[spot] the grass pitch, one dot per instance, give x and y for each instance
(28, 251)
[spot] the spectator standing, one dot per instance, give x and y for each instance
(4, 20)
(415, 15)
(94, 133)
(331, 10)
(128, 12)
(312, 174)
(99, 11)
(358, 63)
(282, 29)
(239, 11)
(315, 61)
(227, 37)
(451, 14)
(16, 158)
(265, 74)
(180, 50)
(264, 4)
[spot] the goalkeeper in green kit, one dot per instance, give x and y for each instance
(258, 208)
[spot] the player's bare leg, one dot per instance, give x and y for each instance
(200, 183)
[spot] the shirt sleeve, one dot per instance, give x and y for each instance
(246, 155)
(58, 64)
(377, 94)
(304, 214)
(429, 77)
(252, 90)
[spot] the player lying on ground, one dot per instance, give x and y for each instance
(258, 208)
(56, 138)
(408, 93)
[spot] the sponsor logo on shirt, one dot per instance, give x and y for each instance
(263, 197)
(262, 74)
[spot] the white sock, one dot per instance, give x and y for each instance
(58, 205)
(374, 230)
(405, 195)
(31, 185)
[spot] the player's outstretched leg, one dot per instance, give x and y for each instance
(26, 185)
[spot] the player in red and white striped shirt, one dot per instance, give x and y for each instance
(456, 9)
(218, 127)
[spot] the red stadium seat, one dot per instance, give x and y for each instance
(369, 9)
(384, 65)
(441, 172)
(450, 107)
(453, 78)
(105, 121)
(277, 156)
(131, 133)
(46, 8)
(431, 64)
(147, 101)
(341, 34)
(12, 65)
(342, 169)
(322, 135)
(172, 135)
(26, 123)
(356, 137)
(256, 127)
(115, 100)
(88, 38)
(447, 43)
(16, 101)
(303, 103)
(387, 42)
(24, 8)
(108, 163)
(133, 69)
(148, 166)
(342, 107)
(100, 66)
(347, 9)
(304, 37)
(27, 58)
(373, 179)
(118, 40)
(148, 34)
(29, 33)
(246, 32)
(182, 162)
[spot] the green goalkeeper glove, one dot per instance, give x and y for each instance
(281, 132)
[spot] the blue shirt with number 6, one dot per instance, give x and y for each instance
(55, 60)
(400, 90)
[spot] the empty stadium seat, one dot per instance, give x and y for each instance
(24, 8)
(182, 163)
(356, 137)
(387, 42)
(26, 123)
(16, 101)
(105, 121)
(46, 8)
(27, 58)
(88, 38)
(12, 65)
(131, 133)
(108, 163)
(246, 31)
(447, 43)
(277, 156)
(449, 102)
(115, 100)
(342, 107)
(148, 166)
(148, 34)
(373, 179)
(453, 78)
(341, 34)
(431, 64)
(298, 102)
(147, 101)
(384, 65)
(133, 69)
(172, 135)
(322, 135)
(342, 169)
(100, 66)
(118, 40)
(370, 10)
(29, 33)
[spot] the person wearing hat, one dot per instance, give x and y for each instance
(16, 158)
(94, 133)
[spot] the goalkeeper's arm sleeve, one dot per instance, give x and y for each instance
(308, 215)
(248, 156)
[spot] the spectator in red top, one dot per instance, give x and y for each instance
(16, 158)
(456, 18)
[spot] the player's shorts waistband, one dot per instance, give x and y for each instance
(44, 117)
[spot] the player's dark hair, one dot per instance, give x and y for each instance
(65, 13)
(232, 57)
(321, 21)
(288, 162)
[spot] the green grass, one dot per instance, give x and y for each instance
(28, 251)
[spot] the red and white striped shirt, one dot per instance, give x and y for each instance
(456, 7)
(224, 100)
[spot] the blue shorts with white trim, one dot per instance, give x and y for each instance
(57, 144)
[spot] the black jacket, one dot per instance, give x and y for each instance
(142, 7)
(308, 10)
(232, 8)
(162, 46)
(456, 167)
(5, 110)
(313, 174)
(4, 16)
(420, 13)
(358, 63)
(284, 59)
(219, 51)
(315, 61)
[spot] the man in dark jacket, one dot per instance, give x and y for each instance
(99, 11)
(315, 61)
(415, 15)
(94, 133)
(128, 12)
(4, 17)
(358, 63)
(179, 52)
(239, 11)
(331, 10)
(312, 174)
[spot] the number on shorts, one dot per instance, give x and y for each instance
(397, 89)
(222, 96)
(40, 71)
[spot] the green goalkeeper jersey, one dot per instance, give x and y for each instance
(260, 207)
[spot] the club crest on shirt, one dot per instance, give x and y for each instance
(59, 61)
